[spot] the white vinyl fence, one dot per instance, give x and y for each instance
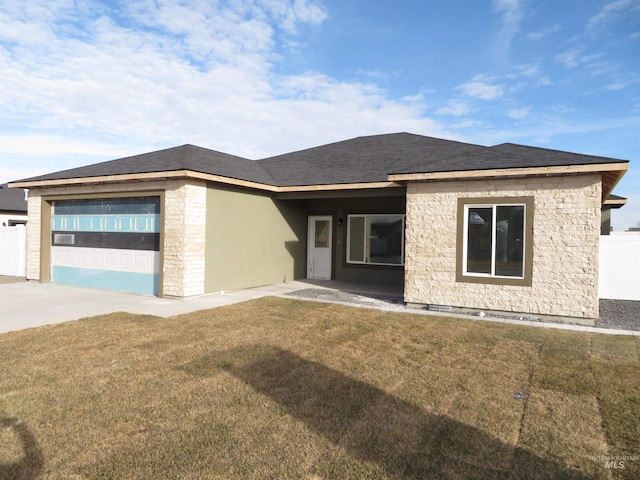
(13, 251)
(620, 267)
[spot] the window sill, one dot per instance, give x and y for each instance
(373, 265)
(518, 282)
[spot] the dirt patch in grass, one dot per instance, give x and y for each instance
(278, 388)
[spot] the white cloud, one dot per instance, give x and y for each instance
(209, 31)
(534, 72)
(569, 58)
(519, 113)
(535, 36)
(373, 74)
(611, 10)
(290, 14)
(418, 98)
(467, 123)
(623, 81)
(510, 9)
(511, 15)
(479, 88)
(201, 76)
(455, 108)
(43, 145)
(575, 57)
(54, 153)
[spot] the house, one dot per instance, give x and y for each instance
(13, 207)
(504, 228)
(612, 202)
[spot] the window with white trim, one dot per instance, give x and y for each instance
(496, 240)
(375, 239)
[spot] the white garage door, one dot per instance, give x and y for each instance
(109, 243)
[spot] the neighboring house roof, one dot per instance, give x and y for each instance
(12, 200)
(615, 201)
(377, 159)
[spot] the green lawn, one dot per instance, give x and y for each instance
(286, 389)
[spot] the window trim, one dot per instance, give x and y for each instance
(347, 249)
(461, 240)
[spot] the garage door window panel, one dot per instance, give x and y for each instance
(109, 243)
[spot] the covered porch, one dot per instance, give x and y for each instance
(353, 238)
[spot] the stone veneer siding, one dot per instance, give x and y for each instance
(34, 211)
(183, 235)
(566, 228)
(185, 222)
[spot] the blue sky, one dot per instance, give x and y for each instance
(83, 81)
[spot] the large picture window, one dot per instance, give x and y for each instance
(494, 239)
(375, 239)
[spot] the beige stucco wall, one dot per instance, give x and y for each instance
(252, 240)
(183, 234)
(566, 228)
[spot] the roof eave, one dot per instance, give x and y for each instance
(609, 181)
(611, 174)
(13, 211)
(339, 186)
(615, 203)
(188, 174)
(138, 177)
(510, 172)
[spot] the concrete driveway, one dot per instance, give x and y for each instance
(32, 304)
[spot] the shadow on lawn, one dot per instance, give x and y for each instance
(374, 426)
(30, 466)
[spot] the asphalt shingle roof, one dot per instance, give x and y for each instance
(12, 199)
(359, 160)
(372, 159)
(366, 159)
(616, 197)
(185, 157)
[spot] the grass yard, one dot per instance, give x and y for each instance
(286, 389)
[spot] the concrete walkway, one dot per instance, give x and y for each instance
(32, 304)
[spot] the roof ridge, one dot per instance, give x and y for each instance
(188, 160)
(360, 137)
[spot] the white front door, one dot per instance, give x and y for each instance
(319, 247)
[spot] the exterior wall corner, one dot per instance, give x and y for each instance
(34, 234)
(184, 239)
